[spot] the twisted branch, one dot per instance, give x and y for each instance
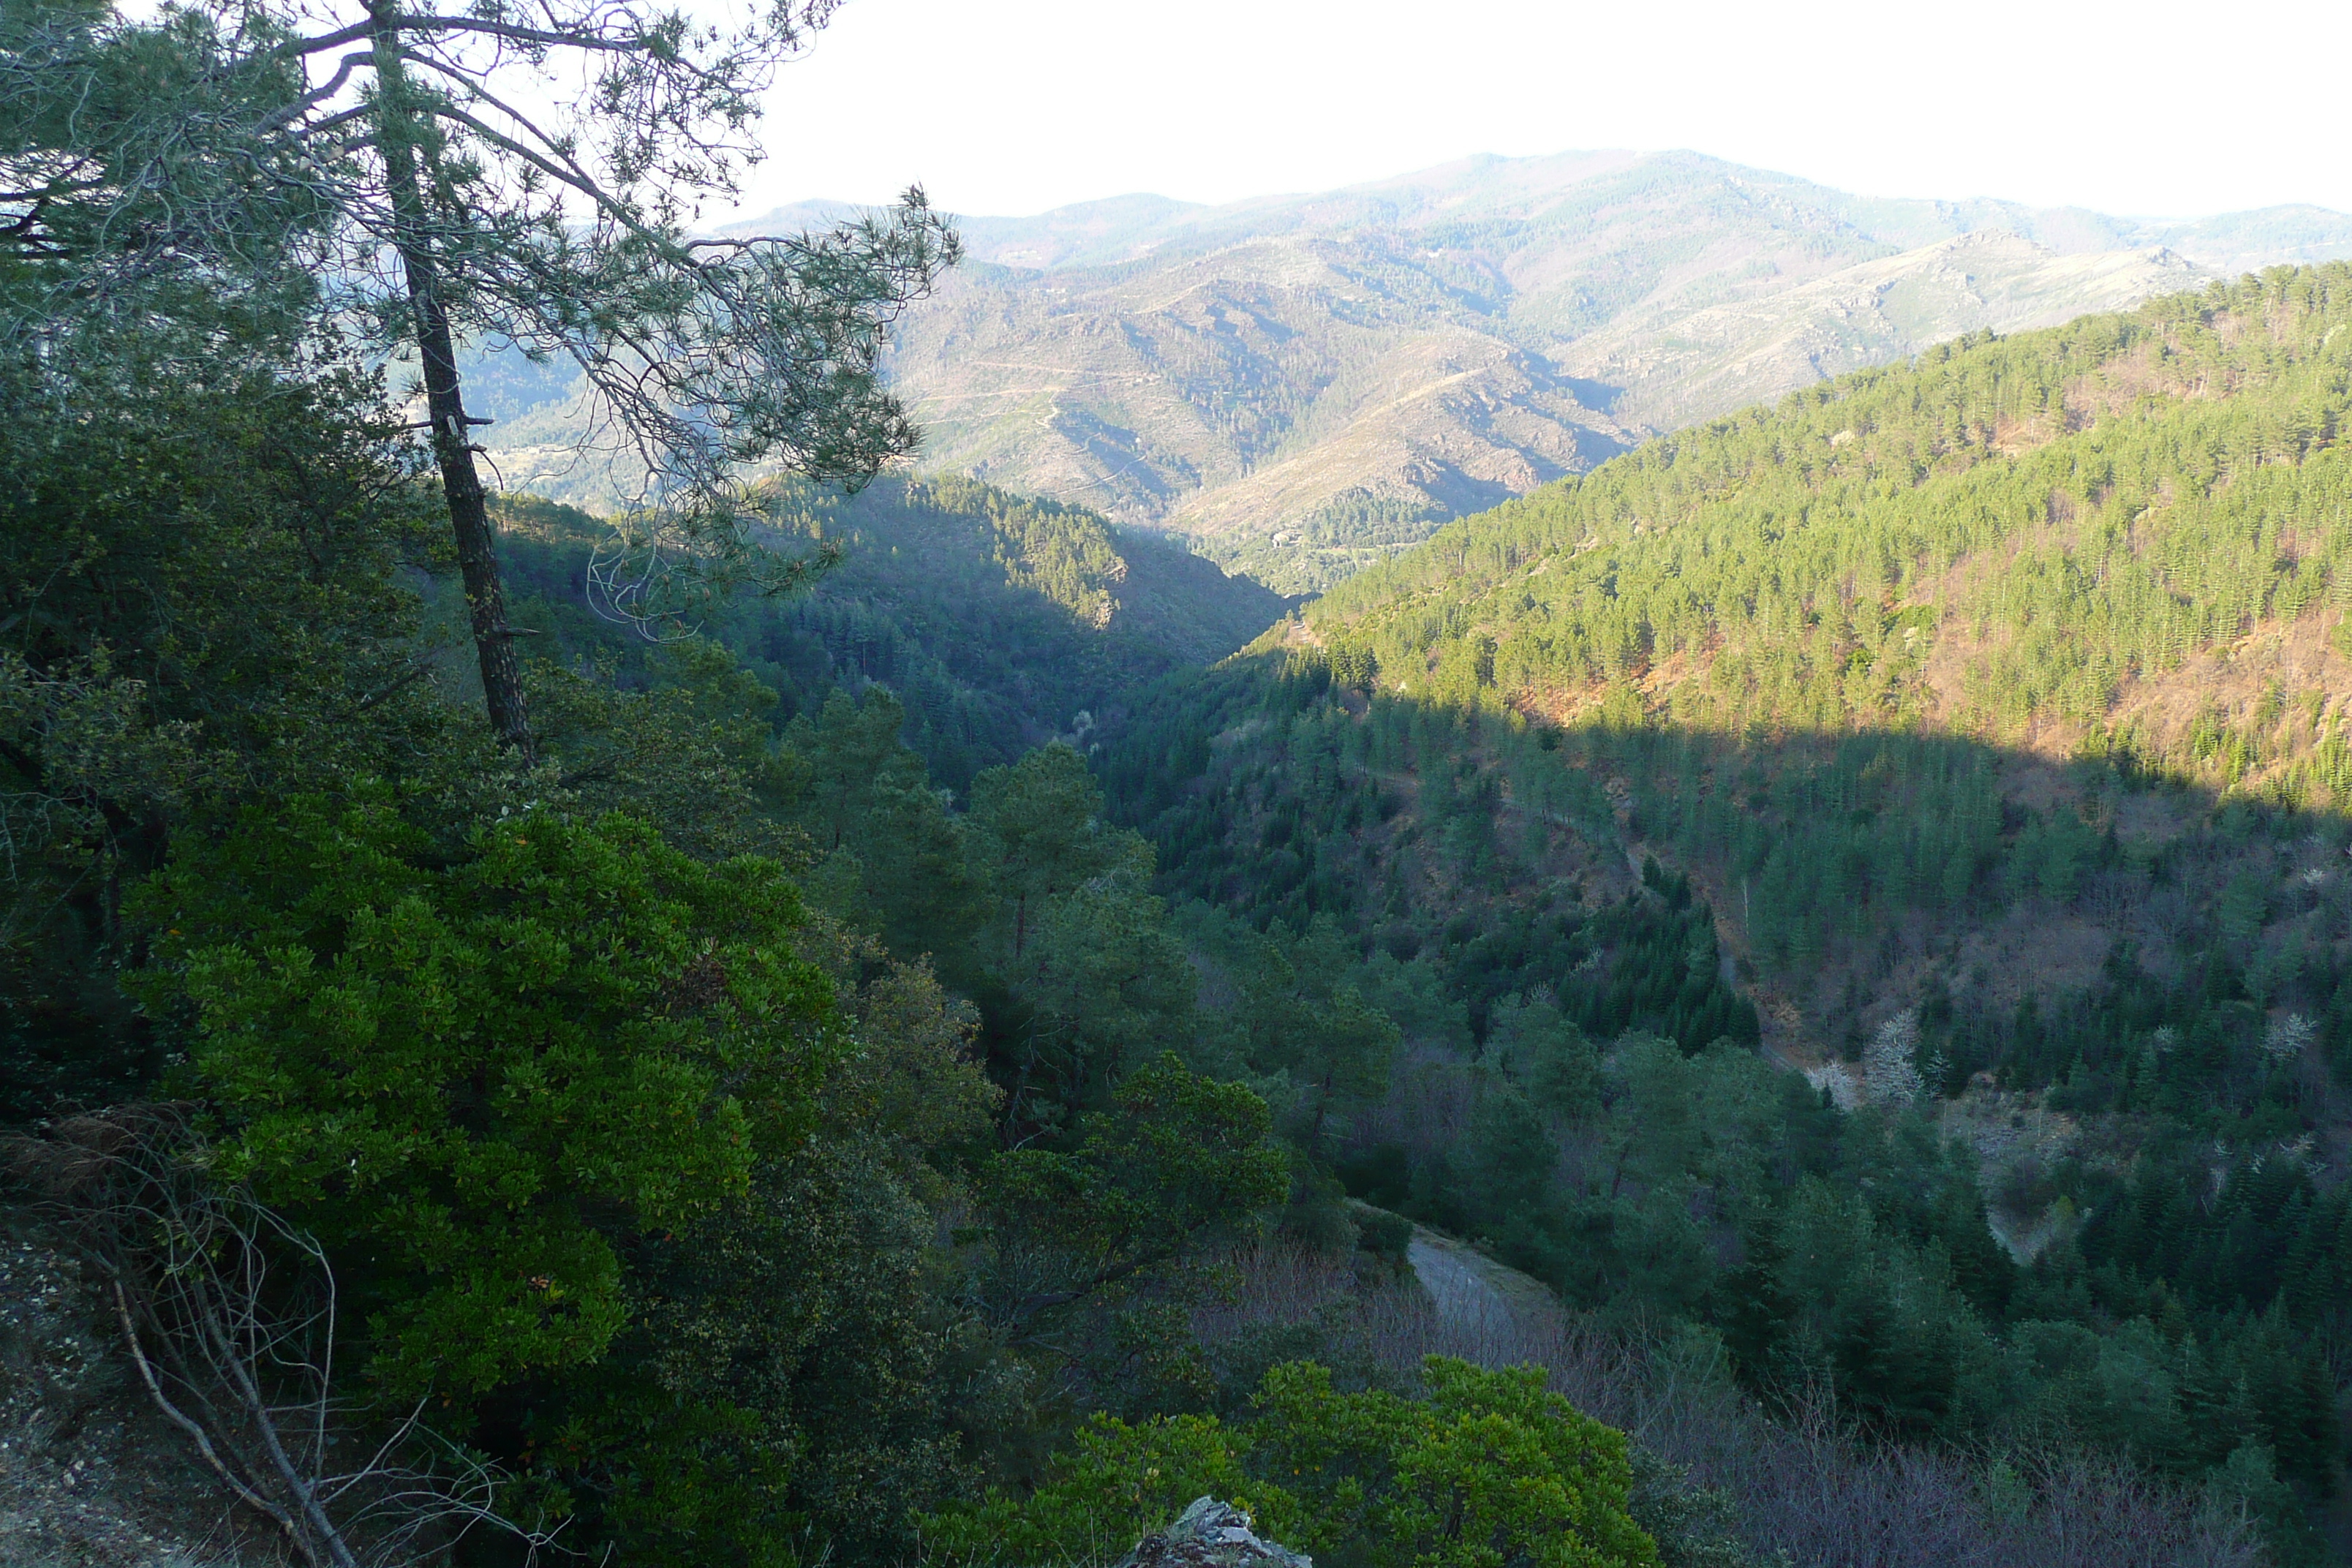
(229, 1312)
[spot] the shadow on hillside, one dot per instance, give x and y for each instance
(1001, 622)
(2050, 916)
(1600, 396)
(1188, 603)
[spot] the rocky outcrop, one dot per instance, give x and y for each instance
(1211, 1534)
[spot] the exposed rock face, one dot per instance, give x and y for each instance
(1211, 1534)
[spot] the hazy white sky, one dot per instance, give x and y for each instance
(1011, 107)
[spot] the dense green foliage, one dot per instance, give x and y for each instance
(1978, 722)
(781, 1115)
(998, 621)
(489, 1077)
(198, 582)
(1488, 1468)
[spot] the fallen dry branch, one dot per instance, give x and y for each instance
(230, 1315)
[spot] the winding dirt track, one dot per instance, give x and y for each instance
(1472, 1292)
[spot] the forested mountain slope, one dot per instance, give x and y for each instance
(1972, 736)
(1300, 384)
(2031, 540)
(1922, 640)
(999, 621)
(515, 1088)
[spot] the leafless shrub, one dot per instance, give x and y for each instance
(2115, 898)
(2167, 915)
(2288, 1038)
(1277, 1282)
(1432, 1093)
(1804, 1486)
(229, 1315)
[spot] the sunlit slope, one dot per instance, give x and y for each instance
(1678, 369)
(1302, 384)
(2127, 535)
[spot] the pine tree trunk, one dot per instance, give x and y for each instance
(469, 512)
(397, 133)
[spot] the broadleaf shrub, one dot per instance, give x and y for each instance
(1486, 1468)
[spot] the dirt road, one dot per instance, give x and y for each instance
(1477, 1297)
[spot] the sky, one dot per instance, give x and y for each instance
(2146, 108)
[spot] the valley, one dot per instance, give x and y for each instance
(1970, 738)
(1593, 861)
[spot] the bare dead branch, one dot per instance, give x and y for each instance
(229, 1312)
(180, 1418)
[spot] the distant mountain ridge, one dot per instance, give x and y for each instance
(1678, 370)
(1299, 384)
(1130, 227)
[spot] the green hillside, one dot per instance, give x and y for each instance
(2071, 565)
(2009, 536)
(999, 621)
(942, 1062)
(2116, 552)
(1973, 736)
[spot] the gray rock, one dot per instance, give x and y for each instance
(1211, 1534)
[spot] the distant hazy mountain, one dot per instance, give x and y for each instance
(1675, 369)
(1302, 383)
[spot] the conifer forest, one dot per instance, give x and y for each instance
(1778, 992)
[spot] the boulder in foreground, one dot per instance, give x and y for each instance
(1211, 1534)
